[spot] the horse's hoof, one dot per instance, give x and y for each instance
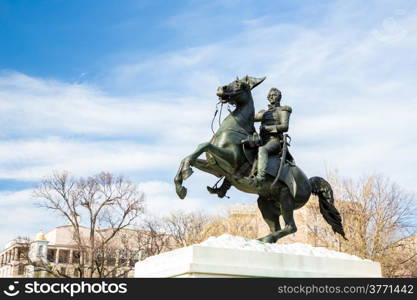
(186, 173)
(181, 192)
(267, 239)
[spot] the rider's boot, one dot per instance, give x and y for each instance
(255, 181)
(262, 164)
(260, 177)
(222, 190)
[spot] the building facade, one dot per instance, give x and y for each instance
(57, 251)
(12, 259)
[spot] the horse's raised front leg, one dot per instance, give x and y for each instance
(205, 166)
(179, 188)
(185, 170)
(222, 153)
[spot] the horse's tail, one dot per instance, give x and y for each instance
(323, 190)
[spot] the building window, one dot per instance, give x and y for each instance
(63, 256)
(51, 255)
(21, 269)
(22, 253)
(86, 257)
(40, 250)
(76, 257)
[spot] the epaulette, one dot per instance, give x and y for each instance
(287, 108)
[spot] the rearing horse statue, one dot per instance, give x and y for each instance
(227, 157)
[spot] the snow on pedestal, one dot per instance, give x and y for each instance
(232, 256)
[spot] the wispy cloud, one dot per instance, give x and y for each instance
(161, 200)
(351, 79)
(352, 88)
(20, 217)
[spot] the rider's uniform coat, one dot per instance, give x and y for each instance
(278, 118)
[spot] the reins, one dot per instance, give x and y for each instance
(215, 114)
(220, 114)
(244, 131)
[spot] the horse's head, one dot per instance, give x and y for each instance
(238, 90)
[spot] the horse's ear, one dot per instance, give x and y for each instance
(254, 82)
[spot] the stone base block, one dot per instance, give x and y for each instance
(208, 261)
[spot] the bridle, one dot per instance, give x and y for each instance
(220, 114)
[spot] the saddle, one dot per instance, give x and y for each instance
(289, 169)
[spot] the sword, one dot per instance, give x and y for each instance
(283, 154)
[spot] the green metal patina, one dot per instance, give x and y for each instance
(232, 153)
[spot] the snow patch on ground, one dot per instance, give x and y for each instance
(236, 242)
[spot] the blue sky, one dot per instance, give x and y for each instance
(87, 86)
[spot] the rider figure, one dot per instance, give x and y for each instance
(274, 122)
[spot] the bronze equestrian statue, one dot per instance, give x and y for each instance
(232, 153)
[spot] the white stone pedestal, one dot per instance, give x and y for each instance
(249, 258)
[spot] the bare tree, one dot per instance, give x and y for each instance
(238, 220)
(108, 205)
(378, 220)
(152, 237)
(186, 228)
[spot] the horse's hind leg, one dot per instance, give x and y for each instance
(270, 213)
(287, 210)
